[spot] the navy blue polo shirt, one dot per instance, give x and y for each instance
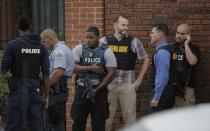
(11, 48)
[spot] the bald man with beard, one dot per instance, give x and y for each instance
(186, 58)
(61, 67)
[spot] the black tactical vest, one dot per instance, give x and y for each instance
(183, 67)
(27, 60)
(172, 74)
(126, 58)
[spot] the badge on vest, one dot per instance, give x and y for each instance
(91, 54)
(178, 57)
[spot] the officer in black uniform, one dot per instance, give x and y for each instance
(95, 67)
(186, 56)
(24, 57)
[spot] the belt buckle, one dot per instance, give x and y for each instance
(94, 82)
(80, 82)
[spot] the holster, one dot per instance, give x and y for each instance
(57, 100)
(60, 86)
(55, 89)
(88, 94)
(59, 92)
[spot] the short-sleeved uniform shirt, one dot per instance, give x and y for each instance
(62, 57)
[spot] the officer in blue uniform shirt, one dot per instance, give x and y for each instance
(164, 94)
(95, 67)
(61, 67)
(24, 57)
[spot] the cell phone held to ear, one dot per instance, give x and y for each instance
(187, 39)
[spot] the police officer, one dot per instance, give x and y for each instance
(95, 67)
(186, 59)
(61, 67)
(164, 93)
(24, 57)
(122, 90)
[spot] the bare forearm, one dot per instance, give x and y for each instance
(143, 70)
(46, 85)
(92, 68)
(191, 58)
(109, 77)
(79, 68)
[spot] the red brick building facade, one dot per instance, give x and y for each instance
(79, 14)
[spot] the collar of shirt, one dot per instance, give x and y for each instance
(118, 37)
(161, 44)
(59, 43)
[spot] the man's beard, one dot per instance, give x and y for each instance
(178, 40)
(124, 34)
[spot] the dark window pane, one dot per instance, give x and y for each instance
(44, 13)
(48, 14)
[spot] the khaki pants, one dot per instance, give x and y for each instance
(125, 96)
(189, 98)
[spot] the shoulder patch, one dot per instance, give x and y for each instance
(59, 53)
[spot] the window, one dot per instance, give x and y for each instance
(48, 13)
(44, 14)
(10, 10)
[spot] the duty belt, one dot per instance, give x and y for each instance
(93, 82)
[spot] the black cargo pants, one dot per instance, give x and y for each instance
(81, 108)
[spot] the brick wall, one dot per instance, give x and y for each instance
(79, 14)
(142, 13)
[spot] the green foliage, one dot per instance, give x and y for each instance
(4, 91)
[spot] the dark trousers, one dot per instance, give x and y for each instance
(24, 107)
(57, 105)
(57, 112)
(167, 99)
(98, 110)
(61, 126)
